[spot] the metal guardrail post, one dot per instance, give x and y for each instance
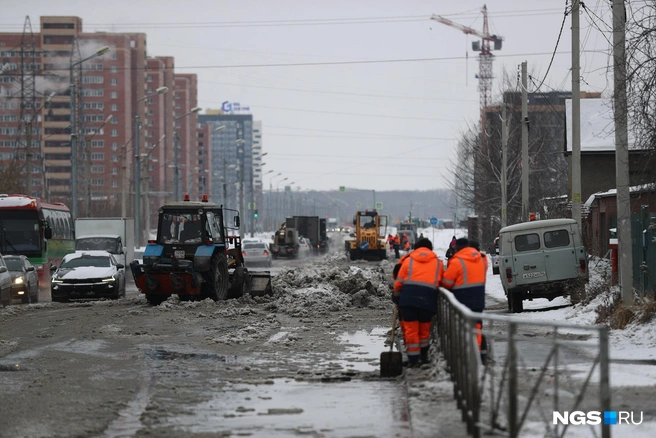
(512, 380)
(604, 378)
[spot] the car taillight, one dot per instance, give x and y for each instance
(151, 241)
(582, 265)
(266, 253)
(243, 253)
(509, 275)
(209, 242)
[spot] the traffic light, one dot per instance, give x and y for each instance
(255, 213)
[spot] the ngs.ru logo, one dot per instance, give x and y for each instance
(595, 417)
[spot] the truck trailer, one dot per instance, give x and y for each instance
(112, 234)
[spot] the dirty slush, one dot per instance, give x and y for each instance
(303, 361)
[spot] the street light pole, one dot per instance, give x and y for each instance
(137, 168)
(240, 154)
(176, 158)
(97, 53)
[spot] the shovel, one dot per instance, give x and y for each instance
(391, 362)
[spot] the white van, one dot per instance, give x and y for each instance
(541, 259)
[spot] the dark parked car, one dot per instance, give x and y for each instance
(88, 274)
(5, 283)
(24, 279)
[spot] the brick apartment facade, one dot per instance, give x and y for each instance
(111, 91)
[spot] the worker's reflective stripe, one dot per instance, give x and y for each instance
(464, 271)
(468, 286)
(424, 343)
(437, 272)
(420, 283)
(448, 282)
(412, 346)
(400, 280)
(410, 268)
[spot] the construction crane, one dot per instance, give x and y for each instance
(485, 58)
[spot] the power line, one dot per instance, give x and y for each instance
(339, 113)
(560, 33)
(381, 136)
(303, 22)
(386, 96)
(311, 64)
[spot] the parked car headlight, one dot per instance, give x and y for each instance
(18, 280)
(108, 279)
(57, 280)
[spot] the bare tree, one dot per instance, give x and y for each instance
(11, 180)
(477, 169)
(641, 76)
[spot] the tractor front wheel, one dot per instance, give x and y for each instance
(216, 279)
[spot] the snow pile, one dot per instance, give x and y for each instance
(330, 285)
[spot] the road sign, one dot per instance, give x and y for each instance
(379, 205)
(433, 221)
(342, 189)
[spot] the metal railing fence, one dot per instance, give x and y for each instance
(529, 365)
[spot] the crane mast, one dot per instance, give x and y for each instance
(485, 58)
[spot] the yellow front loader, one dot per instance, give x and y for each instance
(368, 241)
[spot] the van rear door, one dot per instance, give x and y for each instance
(528, 258)
(560, 253)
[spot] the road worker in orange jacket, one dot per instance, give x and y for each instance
(397, 246)
(465, 278)
(415, 292)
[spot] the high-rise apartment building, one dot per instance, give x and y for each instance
(110, 91)
(235, 162)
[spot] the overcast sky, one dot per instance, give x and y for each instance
(343, 122)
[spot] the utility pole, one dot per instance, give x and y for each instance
(137, 180)
(622, 154)
(73, 148)
(525, 161)
(28, 158)
(124, 183)
(504, 165)
(576, 116)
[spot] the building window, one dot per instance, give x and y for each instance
(114, 120)
(114, 95)
(97, 144)
(149, 79)
(114, 146)
(114, 132)
(114, 107)
(113, 56)
(98, 169)
(97, 182)
(114, 158)
(114, 171)
(97, 67)
(113, 69)
(114, 183)
(93, 79)
(97, 156)
(114, 81)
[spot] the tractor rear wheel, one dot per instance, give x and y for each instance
(216, 280)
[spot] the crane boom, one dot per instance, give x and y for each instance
(465, 29)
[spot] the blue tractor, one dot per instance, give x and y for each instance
(196, 256)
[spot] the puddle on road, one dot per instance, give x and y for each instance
(362, 349)
(289, 407)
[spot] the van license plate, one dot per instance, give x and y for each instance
(179, 254)
(534, 274)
